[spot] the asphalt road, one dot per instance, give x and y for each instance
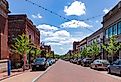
(67, 72)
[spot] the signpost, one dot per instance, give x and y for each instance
(9, 67)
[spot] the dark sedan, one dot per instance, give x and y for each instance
(39, 64)
(79, 61)
(115, 67)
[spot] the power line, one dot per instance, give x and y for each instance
(52, 12)
(47, 10)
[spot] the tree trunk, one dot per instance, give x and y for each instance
(24, 62)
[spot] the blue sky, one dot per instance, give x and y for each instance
(63, 33)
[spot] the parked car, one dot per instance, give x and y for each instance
(39, 64)
(71, 60)
(53, 60)
(86, 62)
(75, 60)
(115, 67)
(50, 61)
(99, 64)
(79, 61)
(66, 59)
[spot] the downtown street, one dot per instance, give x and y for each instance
(63, 71)
(60, 40)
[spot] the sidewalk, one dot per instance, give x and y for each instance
(27, 76)
(14, 72)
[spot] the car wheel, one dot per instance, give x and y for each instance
(95, 67)
(45, 67)
(109, 71)
(83, 65)
(120, 73)
(91, 67)
(33, 69)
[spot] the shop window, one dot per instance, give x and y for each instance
(106, 33)
(110, 32)
(119, 28)
(114, 29)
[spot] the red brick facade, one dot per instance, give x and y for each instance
(19, 24)
(4, 29)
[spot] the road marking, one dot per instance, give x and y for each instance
(105, 73)
(34, 80)
(102, 72)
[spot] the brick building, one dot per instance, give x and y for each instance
(97, 36)
(19, 24)
(83, 44)
(76, 47)
(112, 25)
(4, 29)
(46, 50)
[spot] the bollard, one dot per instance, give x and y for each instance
(9, 67)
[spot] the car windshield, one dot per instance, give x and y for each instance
(38, 60)
(49, 59)
(104, 61)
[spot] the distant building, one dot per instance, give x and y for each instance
(46, 49)
(99, 37)
(76, 47)
(4, 29)
(83, 43)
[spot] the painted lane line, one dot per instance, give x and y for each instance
(34, 80)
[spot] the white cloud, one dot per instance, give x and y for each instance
(56, 39)
(62, 33)
(62, 37)
(76, 8)
(47, 27)
(97, 21)
(68, 41)
(58, 36)
(61, 48)
(49, 43)
(74, 24)
(38, 16)
(46, 33)
(106, 10)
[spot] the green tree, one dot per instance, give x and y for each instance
(85, 52)
(35, 52)
(22, 46)
(112, 47)
(94, 49)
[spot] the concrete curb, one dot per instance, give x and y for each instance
(10, 76)
(34, 80)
